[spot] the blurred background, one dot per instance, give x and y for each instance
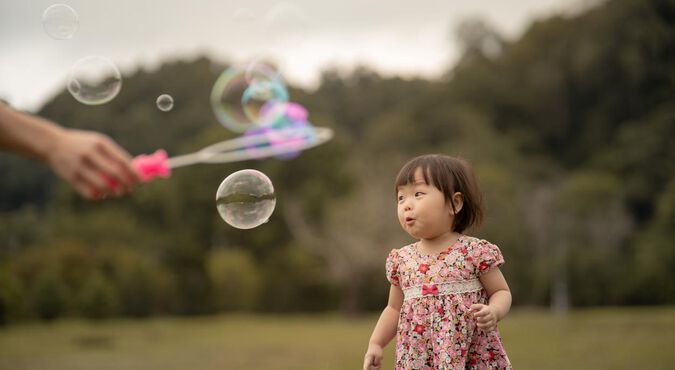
(564, 108)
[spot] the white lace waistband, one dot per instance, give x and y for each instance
(452, 287)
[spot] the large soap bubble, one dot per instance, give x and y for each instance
(246, 199)
(237, 98)
(94, 80)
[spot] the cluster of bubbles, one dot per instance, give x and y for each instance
(251, 100)
(93, 80)
(254, 100)
(240, 93)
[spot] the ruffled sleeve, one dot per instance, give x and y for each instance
(392, 268)
(488, 256)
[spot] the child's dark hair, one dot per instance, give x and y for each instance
(449, 175)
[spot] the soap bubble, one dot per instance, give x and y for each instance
(165, 102)
(60, 21)
(246, 199)
(94, 80)
(259, 95)
(289, 131)
(259, 70)
(237, 103)
(266, 87)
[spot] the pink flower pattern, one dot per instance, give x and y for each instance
(437, 332)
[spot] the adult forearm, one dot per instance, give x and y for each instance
(26, 134)
(385, 330)
(501, 302)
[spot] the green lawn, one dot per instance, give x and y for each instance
(622, 338)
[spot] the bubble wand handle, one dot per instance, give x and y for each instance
(150, 166)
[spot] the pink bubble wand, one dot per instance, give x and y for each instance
(159, 165)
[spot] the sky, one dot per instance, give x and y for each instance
(395, 37)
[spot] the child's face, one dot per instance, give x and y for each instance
(423, 210)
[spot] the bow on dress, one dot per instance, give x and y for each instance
(430, 289)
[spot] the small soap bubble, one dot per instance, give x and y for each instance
(246, 199)
(165, 102)
(60, 21)
(94, 80)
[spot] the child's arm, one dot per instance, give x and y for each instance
(385, 329)
(499, 300)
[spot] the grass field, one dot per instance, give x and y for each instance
(620, 338)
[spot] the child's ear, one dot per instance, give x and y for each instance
(458, 201)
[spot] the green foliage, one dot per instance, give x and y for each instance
(296, 281)
(143, 286)
(98, 298)
(11, 299)
(655, 255)
(235, 278)
(48, 295)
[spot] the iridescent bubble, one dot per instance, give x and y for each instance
(165, 102)
(289, 131)
(260, 94)
(246, 199)
(94, 80)
(237, 103)
(286, 25)
(60, 21)
(258, 70)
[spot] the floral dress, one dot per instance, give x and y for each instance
(435, 329)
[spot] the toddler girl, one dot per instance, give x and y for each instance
(447, 292)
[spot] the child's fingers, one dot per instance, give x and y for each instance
(373, 362)
(476, 307)
(367, 361)
(482, 312)
(484, 321)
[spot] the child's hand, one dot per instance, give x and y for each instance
(373, 359)
(486, 316)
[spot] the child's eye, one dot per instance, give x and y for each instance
(400, 198)
(418, 193)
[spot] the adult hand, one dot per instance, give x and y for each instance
(92, 163)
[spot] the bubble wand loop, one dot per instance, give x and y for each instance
(158, 164)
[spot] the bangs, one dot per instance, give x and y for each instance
(407, 174)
